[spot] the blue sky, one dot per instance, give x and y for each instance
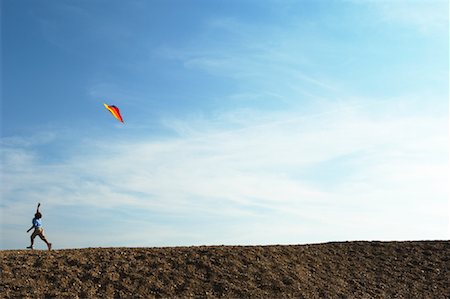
(246, 122)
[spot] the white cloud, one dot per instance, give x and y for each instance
(396, 173)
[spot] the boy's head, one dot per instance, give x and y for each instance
(38, 215)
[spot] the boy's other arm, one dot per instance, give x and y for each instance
(30, 228)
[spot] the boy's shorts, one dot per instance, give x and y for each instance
(39, 231)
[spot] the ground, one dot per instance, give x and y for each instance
(419, 269)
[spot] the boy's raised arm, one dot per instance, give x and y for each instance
(37, 210)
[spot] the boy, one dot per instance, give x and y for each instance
(38, 230)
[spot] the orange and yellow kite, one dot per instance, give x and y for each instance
(114, 111)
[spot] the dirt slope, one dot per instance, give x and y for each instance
(331, 270)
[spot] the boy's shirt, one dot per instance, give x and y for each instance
(37, 223)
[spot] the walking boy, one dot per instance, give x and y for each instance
(38, 230)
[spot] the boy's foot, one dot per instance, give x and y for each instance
(49, 245)
(30, 247)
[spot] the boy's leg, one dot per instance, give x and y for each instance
(42, 236)
(33, 235)
(49, 245)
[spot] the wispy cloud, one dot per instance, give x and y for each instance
(261, 59)
(426, 16)
(384, 170)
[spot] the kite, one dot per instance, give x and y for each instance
(114, 111)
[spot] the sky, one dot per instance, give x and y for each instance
(245, 122)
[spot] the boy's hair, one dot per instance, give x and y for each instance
(38, 215)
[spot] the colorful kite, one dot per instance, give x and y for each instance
(114, 111)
